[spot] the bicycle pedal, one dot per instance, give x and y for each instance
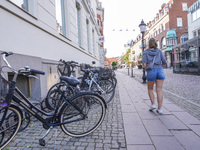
(42, 142)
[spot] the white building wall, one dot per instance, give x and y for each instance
(35, 35)
(39, 37)
(192, 26)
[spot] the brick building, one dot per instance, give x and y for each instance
(109, 61)
(169, 27)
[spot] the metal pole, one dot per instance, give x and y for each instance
(128, 70)
(131, 71)
(144, 76)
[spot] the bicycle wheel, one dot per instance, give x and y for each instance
(91, 113)
(10, 125)
(53, 98)
(108, 87)
(25, 120)
(114, 81)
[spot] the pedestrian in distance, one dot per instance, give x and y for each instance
(156, 74)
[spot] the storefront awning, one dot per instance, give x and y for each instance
(169, 49)
(171, 34)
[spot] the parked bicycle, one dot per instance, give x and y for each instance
(77, 116)
(93, 80)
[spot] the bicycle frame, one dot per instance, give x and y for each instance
(33, 110)
(92, 80)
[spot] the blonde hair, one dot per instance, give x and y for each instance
(152, 43)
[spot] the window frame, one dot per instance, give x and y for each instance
(64, 17)
(179, 22)
(79, 24)
(184, 7)
(182, 37)
(30, 4)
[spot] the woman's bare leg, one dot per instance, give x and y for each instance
(150, 91)
(159, 86)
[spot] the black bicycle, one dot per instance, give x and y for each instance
(77, 116)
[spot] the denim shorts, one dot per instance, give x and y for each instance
(155, 74)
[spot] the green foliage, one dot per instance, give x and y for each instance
(126, 56)
(114, 64)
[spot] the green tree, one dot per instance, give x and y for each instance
(126, 57)
(114, 64)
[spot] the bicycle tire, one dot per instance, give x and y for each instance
(93, 105)
(10, 124)
(54, 94)
(107, 86)
(114, 81)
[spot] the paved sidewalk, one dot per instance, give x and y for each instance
(145, 130)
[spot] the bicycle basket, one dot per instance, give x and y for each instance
(4, 85)
(64, 70)
(104, 72)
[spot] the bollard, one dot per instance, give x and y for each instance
(131, 71)
(128, 70)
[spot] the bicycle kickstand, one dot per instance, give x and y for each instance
(42, 141)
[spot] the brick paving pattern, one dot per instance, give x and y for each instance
(109, 136)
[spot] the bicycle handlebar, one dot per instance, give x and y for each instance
(6, 54)
(37, 71)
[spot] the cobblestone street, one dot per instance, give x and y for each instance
(182, 89)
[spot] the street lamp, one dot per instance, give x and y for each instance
(142, 30)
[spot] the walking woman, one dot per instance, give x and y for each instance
(156, 74)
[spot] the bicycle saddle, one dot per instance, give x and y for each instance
(70, 80)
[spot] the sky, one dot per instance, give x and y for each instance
(125, 15)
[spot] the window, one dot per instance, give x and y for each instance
(179, 22)
(88, 35)
(163, 27)
(198, 31)
(163, 42)
(171, 41)
(154, 32)
(194, 33)
(196, 15)
(21, 3)
(94, 47)
(98, 22)
(193, 53)
(26, 5)
(184, 37)
(60, 17)
(158, 31)
(78, 7)
(158, 43)
(184, 7)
